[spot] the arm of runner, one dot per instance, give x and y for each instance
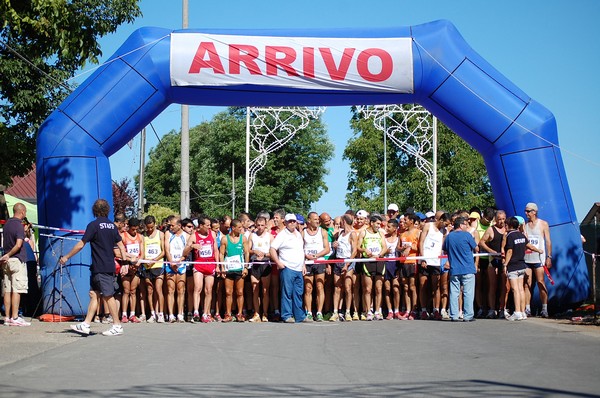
(546, 233)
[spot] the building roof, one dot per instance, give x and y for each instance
(593, 215)
(24, 187)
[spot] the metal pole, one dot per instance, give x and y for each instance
(247, 160)
(141, 178)
(434, 164)
(594, 255)
(232, 190)
(185, 142)
(385, 197)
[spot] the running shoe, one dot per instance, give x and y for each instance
(255, 318)
(544, 314)
(81, 328)
(460, 315)
(134, 319)
(528, 312)
(161, 318)
(319, 317)
(355, 316)
(479, 313)
(403, 316)
(7, 321)
(218, 318)
(348, 317)
(491, 314)
(116, 330)
(437, 316)
(515, 317)
(341, 317)
(276, 317)
(151, 319)
(412, 315)
(445, 314)
(124, 319)
(363, 316)
(378, 316)
(172, 318)
(308, 319)
(290, 320)
(264, 319)
(240, 318)
(196, 318)
(180, 318)
(228, 318)
(189, 317)
(96, 319)
(389, 316)
(334, 318)
(523, 316)
(502, 313)
(142, 318)
(19, 322)
(206, 319)
(370, 316)
(107, 319)
(424, 316)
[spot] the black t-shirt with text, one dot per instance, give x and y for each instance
(516, 241)
(102, 235)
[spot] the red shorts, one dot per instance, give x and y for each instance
(206, 268)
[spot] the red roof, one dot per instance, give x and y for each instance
(24, 187)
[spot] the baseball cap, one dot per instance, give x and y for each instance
(362, 213)
(300, 218)
(430, 214)
(474, 215)
(531, 206)
(290, 217)
(521, 220)
(393, 207)
(420, 215)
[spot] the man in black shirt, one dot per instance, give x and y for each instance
(13, 264)
(102, 234)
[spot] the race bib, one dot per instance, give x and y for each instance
(311, 252)
(374, 249)
(133, 249)
(153, 250)
(534, 240)
(233, 263)
(206, 250)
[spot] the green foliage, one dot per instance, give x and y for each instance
(159, 212)
(43, 43)
(292, 177)
(462, 178)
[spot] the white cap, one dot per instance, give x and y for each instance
(290, 217)
(393, 207)
(430, 214)
(362, 213)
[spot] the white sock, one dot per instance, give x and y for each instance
(528, 308)
(545, 307)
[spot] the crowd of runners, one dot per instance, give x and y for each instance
(358, 266)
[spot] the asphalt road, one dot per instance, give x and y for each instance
(534, 358)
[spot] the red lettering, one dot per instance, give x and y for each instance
(213, 62)
(246, 54)
(362, 64)
(337, 73)
(289, 56)
(308, 61)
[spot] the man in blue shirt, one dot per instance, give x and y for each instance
(459, 246)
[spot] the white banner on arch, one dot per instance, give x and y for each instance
(315, 63)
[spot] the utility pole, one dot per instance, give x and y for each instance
(141, 200)
(185, 142)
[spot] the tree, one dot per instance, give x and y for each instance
(42, 44)
(292, 177)
(124, 197)
(462, 178)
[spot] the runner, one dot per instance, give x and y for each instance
(391, 284)
(235, 257)
(153, 273)
(430, 246)
(278, 226)
(409, 247)
(345, 246)
(491, 242)
(316, 246)
(134, 246)
(175, 242)
(538, 233)
(204, 249)
(260, 245)
(371, 244)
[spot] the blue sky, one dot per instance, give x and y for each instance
(550, 49)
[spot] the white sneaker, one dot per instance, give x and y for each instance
(161, 318)
(180, 318)
(81, 328)
(116, 330)
(7, 321)
(172, 318)
(19, 322)
(445, 314)
(544, 314)
(152, 319)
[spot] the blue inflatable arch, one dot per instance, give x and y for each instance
(429, 64)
